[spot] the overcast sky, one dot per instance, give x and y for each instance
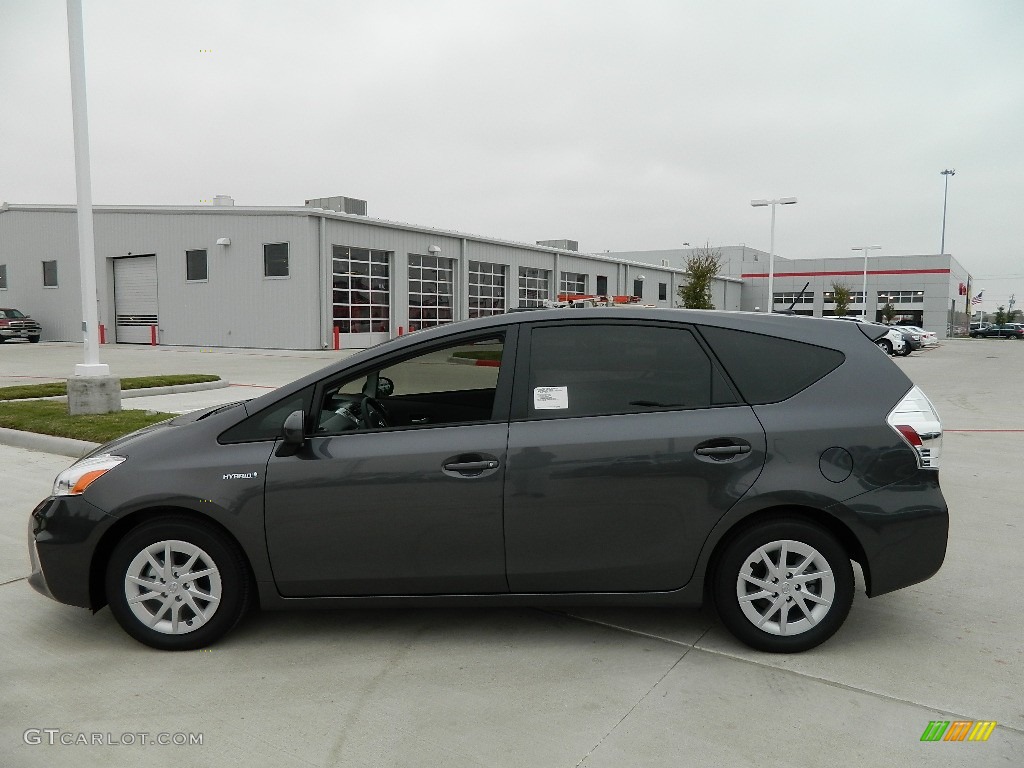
(623, 125)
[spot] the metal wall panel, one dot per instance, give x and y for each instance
(28, 238)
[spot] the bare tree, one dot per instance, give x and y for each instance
(702, 266)
(842, 293)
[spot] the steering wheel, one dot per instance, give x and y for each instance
(372, 414)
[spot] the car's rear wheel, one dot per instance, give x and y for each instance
(783, 586)
(175, 583)
(885, 345)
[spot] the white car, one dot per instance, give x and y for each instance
(928, 338)
(892, 343)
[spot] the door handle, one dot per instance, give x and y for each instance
(470, 465)
(724, 450)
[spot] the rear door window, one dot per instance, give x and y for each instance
(596, 369)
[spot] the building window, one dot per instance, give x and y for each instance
(856, 297)
(602, 285)
(901, 297)
(534, 286)
(362, 290)
(662, 291)
(791, 298)
(486, 289)
(431, 291)
(275, 259)
(195, 265)
(49, 274)
(573, 282)
(638, 288)
(3, 277)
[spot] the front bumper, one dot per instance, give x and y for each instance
(63, 534)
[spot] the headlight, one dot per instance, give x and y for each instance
(79, 476)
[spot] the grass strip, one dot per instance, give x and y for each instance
(53, 389)
(49, 418)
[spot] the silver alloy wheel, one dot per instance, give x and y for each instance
(783, 576)
(173, 587)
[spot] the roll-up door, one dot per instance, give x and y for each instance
(135, 299)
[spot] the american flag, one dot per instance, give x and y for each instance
(977, 299)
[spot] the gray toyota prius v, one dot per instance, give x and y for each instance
(643, 457)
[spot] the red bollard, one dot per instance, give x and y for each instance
(401, 330)
(103, 334)
(152, 335)
(337, 338)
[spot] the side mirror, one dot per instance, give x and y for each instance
(293, 432)
(385, 387)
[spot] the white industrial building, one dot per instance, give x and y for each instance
(925, 290)
(293, 277)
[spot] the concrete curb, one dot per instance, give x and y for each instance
(33, 441)
(173, 389)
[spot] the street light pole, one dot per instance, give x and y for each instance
(945, 192)
(866, 248)
(771, 247)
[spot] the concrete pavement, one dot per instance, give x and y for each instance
(542, 688)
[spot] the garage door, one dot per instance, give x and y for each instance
(135, 305)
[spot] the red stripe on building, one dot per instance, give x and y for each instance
(852, 272)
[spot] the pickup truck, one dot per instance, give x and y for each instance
(15, 324)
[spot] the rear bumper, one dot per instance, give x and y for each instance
(903, 529)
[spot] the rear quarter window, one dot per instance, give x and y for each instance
(767, 369)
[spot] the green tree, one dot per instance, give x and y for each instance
(1000, 317)
(888, 312)
(842, 294)
(702, 266)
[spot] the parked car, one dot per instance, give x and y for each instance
(928, 338)
(1004, 331)
(15, 324)
(610, 457)
(911, 341)
(891, 341)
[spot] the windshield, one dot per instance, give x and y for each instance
(11, 313)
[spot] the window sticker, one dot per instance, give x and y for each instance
(550, 398)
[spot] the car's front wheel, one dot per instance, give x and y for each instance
(885, 345)
(175, 583)
(783, 586)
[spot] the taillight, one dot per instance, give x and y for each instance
(915, 420)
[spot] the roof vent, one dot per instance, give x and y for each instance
(223, 200)
(339, 204)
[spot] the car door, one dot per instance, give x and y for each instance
(626, 445)
(373, 508)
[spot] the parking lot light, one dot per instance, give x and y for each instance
(771, 248)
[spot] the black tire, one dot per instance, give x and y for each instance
(796, 627)
(34, 339)
(221, 572)
(906, 350)
(885, 345)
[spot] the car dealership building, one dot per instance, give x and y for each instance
(326, 275)
(924, 290)
(304, 277)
